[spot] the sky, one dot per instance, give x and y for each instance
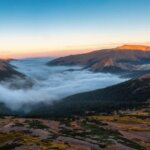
(60, 27)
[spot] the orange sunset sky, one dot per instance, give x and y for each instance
(33, 28)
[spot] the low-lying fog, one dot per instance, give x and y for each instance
(52, 83)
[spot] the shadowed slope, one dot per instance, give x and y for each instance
(129, 94)
(7, 71)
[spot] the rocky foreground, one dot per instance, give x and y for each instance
(123, 130)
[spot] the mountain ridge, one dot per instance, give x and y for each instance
(133, 47)
(116, 60)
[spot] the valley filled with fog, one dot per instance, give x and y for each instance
(50, 83)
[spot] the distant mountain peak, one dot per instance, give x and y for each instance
(134, 47)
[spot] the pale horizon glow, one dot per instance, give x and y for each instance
(24, 46)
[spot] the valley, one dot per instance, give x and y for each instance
(74, 74)
(72, 103)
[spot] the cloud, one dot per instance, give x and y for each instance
(51, 83)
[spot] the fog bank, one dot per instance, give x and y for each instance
(51, 83)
